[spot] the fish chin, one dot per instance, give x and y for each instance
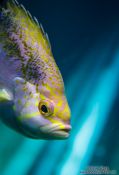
(61, 134)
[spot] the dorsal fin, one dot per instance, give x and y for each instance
(15, 1)
(28, 15)
(35, 21)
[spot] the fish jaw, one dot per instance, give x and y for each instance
(56, 131)
(37, 127)
(40, 128)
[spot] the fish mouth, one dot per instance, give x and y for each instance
(56, 131)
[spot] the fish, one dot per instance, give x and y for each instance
(30, 80)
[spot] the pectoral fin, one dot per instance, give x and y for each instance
(5, 95)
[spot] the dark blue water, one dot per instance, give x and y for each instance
(85, 41)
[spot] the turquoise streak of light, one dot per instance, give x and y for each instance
(51, 156)
(94, 119)
(83, 91)
(24, 157)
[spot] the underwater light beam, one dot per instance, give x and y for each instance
(95, 118)
(28, 152)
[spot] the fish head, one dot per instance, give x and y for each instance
(41, 114)
(54, 107)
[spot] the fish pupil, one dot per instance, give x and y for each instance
(44, 109)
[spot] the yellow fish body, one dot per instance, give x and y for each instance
(29, 76)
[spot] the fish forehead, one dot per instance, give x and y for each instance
(27, 47)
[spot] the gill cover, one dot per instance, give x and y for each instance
(26, 106)
(25, 97)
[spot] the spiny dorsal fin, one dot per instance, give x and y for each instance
(45, 35)
(34, 20)
(15, 1)
(23, 8)
(29, 16)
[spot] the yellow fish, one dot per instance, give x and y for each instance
(29, 76)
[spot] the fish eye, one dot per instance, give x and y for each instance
(46, 108)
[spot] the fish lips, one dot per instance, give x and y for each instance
(55, 131)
